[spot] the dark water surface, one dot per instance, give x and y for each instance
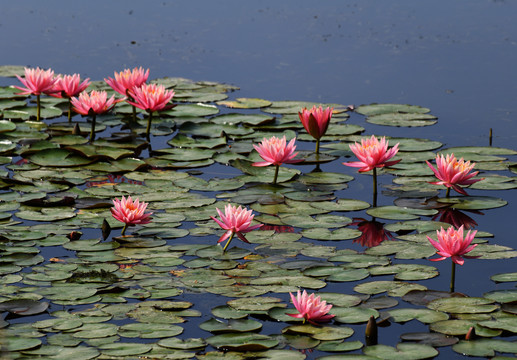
(457, 58)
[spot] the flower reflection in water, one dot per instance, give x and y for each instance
(373, 232)
(456, 218)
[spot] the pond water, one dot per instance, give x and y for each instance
(455, 58)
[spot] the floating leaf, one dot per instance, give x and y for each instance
(245, 103)
(404, 351)
(467, 305)
(242, 342)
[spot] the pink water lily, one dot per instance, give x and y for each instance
(316, 122)
(453, 172)
(127, 80)
(372, 153)
(311, 308)
(94, 103)
(451, 243)
(235, 220)
(68, 86)
(37, 81)
(276, 151)
(151, 98)
(130, 212)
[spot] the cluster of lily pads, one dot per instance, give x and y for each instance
(73, 287)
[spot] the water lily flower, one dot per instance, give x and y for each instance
(94, 103)
(130, 212)
(453, 172)
(68, 86)
(276, 151)
(372, 154)
(37, 81)
(236, 220)
(311, 308)
(151, 98)
(316, 122)
(451, 243)
(127, 80)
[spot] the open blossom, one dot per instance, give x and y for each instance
(451, 243)
(453, 172)
(151, 97)
(311, 308)
(37, 81)
(372, 153)
(316, 120)
(128, 79)
(276, 151)
(130, 212)
(68, 86)
(236, 220)
(96, 102)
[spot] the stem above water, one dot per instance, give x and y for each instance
(276, 174)
(453, 276)
(92, 132)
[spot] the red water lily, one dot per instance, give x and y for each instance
(316, 122)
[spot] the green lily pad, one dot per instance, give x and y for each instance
(245, 103)
(473, 202)
(232, 326)
(124, 349)
(404, 351)
(467, 305)
(394, 288)
(398, 213)
(426, 316)
(353, 315)
(242, 342)
(320, 332)
(58, 158)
